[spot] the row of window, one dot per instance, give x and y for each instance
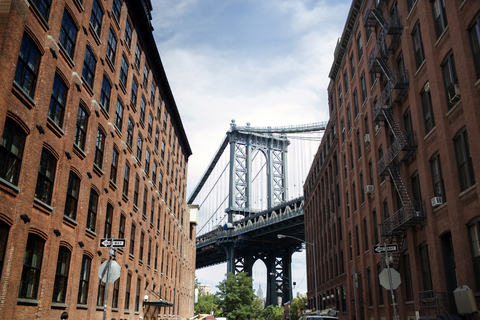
(32, 268)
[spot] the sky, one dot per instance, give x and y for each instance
(264, 62)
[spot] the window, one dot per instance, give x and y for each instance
(130, 128)
(92, 211)
(145, 76)
(139, 147)
(11, 151)
(407, 120)
(61, 275)
(81, 128)
(359, 145)
(84, 280)
(149, 252)
(132, 240)
(428, 117)
(439, 16)
(157, 135)
(364, 87)
(108, 222)
(96, 17)
(450, 79)
(111, 47)
(101, 294)
(156, 257)
(137, 57)
(133, 97)
(340, 98)
(116, 287)
(351, 156)
(365, 233)
(474, 237)
(343, 129)
(128, 34)
(147, 161)
(126, 179)
(116, 9)
(137, 295)
(407, 275)
(119, 115)
(142, 110)
(464, 159)
(355, 102)
(474, 33)
(105, 94)
(359, 46)
(160, 183)
(362, 189)
(386, 214)
(114, 166)
(71, 202)
(165, 120)
(27, 66)
(354, 193)
(99, 149)
(144, 210)
(349, 117)
(152, 93)
(124, 72)
(4, 230)
(43, 7)
(46, 177)
(418, 45)
(416, 191)
(150, 124)
(401, 68)
(68, 34)
(425, 267)
(127, 291)
(32, 265)
(350, 245)
(121, 228)
(437, 178)
(352, 65)
(136, 190)
(345, 78)
(88, 71)
(375, 226)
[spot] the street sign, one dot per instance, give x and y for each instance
(117, 243)
(109, 276)
(385, 282)
(112, 252)
(379, 248)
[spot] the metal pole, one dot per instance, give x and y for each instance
(108, 275)
(355, 279)
(390, 281)
(315, 274)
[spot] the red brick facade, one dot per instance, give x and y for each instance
(440, 251)
(50, 231)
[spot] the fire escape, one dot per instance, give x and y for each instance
(404, 144)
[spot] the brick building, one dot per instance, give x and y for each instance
(92, 147)
(398, 163)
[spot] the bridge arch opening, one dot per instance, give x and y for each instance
(259, 180)
(259, 276)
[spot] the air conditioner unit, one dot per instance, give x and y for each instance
(426, 87)
(437, 201)
(454, 97)
(367, 138)
(377, 128)
(369, 189)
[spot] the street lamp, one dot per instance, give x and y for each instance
(281, 236)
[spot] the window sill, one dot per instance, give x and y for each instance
(374, 84)
(70, 222)
(90, 233)
(42, 206)
(8, 187)
(110, 64)
(94, 34)
(99, 308)
(87, 87)
(23, 96)
(420, 68)
(98, 170)
(430, 133)
(464, 192)
(38, 15)
(82, 306)
(453, 108)
(441, 36)
(477, 83)
(55, 128)
(79, 5)
(79, 152)
(411, 10)
(65, 55)
(26, 301)
(58, 305)
(112, 185)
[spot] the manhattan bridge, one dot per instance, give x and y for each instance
(249, 194)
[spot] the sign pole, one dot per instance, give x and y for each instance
(390, 281)
(355, 284)
(108, 275)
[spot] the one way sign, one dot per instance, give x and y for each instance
(381, 248)
(117, 243)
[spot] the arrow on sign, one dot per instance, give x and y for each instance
(381, 248)
(117, 243)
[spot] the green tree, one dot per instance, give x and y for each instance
(299, 305)
(206, 303)
(237, 299)
(272, 313)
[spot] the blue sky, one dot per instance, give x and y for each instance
(265, 62)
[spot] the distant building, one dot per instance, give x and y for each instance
(398, 163)
(204, 289)
(92, 147)
(260, 291)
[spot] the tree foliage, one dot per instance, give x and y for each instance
(272, 313)
(298, 307)
(237, 299)
(206, 304)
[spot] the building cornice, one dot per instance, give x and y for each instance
(342, 44)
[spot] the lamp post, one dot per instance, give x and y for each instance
(281, 236)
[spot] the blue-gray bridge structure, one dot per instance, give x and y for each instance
(247, 233)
